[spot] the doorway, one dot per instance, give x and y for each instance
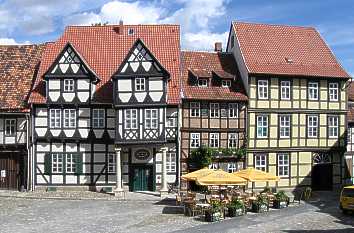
(10, 171)
(322, 172)
(141, 178)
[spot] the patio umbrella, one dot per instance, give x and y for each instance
(193, 176)
(254, 175)
(220, 178)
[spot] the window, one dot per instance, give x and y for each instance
(226, 83)
(283, 165)
(214, 166)
(69, 118)
(57, 163)
(333, 126)
(214, 110)
(260, 162)
(130, 31)
(313, 90)
(231, 167)
(70, 163)
(262, 89)
(151, 118)
(233, 140)
(233, 110)
(55, 118)
(10, 127)
(68, 85)
(333, 91)
(111, 163)
(202, 82)
(262, 126)
(98, 118)
(140, 84)
(214, 140)
(130, 119)
(232, 41)
(195, 140)
(312, 126)
(285, 90)
(171, 162)
(284, 124)
(195, 109)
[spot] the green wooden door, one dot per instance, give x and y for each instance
(142, 178)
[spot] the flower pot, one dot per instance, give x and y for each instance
(278, 204)
(212, 216)
(259, 208)
(234, 212)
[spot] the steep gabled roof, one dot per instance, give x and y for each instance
(286, 50)
(104, 49)
(18, 67)
(209, 64)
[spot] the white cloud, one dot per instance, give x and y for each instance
(203, 40)
(11, 41)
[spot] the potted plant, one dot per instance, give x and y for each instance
(261, 204)
(236, 208)
(215, 212)
(281, 200)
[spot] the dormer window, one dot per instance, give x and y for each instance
(140, 84)
(130, 31)
(226, 83)
(68, 85)
(202, 82)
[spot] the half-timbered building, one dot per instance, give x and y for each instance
(297, 103)
(349, 155)
(18, 65)
(105, 108)
(214, 107)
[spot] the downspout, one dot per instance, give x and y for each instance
(29, 185)
(32, 149)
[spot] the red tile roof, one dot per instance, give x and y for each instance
(18, 66)
(266, 49)
(211, 62)
(104, 49)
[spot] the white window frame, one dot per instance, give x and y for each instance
(69, 85)
(57, 163)
(139, 84)
(130, 122)
(283, 164)
(194, 109)
(233, 110)
(262, 123)
(231, 167)
(262, 89)
(214, 140)
(312, 129)
(151, 118)
(70, 163)
(313, 90)
(226, 83)
(202, 82)
(333, 126)
(195, 140)
(55, 118)
(284, 126)
(111, 163)
(333, 90)
(69, 116)
(171, 161)
(232, 140)
(260, 162)
(285, 88)
(10, 127)
(98, 118)
(214, 110)
(214, 166)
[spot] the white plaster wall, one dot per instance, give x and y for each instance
(124, 85)
(54, 84)
(83, 84)
(156, 85)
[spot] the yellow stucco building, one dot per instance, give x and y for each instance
(297, 104)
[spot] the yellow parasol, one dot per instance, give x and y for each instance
(220, 177)
(254, 175)
(192, 176)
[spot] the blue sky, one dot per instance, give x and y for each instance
(202, 21)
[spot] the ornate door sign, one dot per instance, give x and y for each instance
(142, 154)
(3, 173)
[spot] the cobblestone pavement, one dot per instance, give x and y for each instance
(147, 213)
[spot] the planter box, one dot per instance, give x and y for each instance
(259, 208)
(212, 217)
(233, 212)
(280, 204)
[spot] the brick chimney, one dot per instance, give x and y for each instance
(218, 47)
(119, 29)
